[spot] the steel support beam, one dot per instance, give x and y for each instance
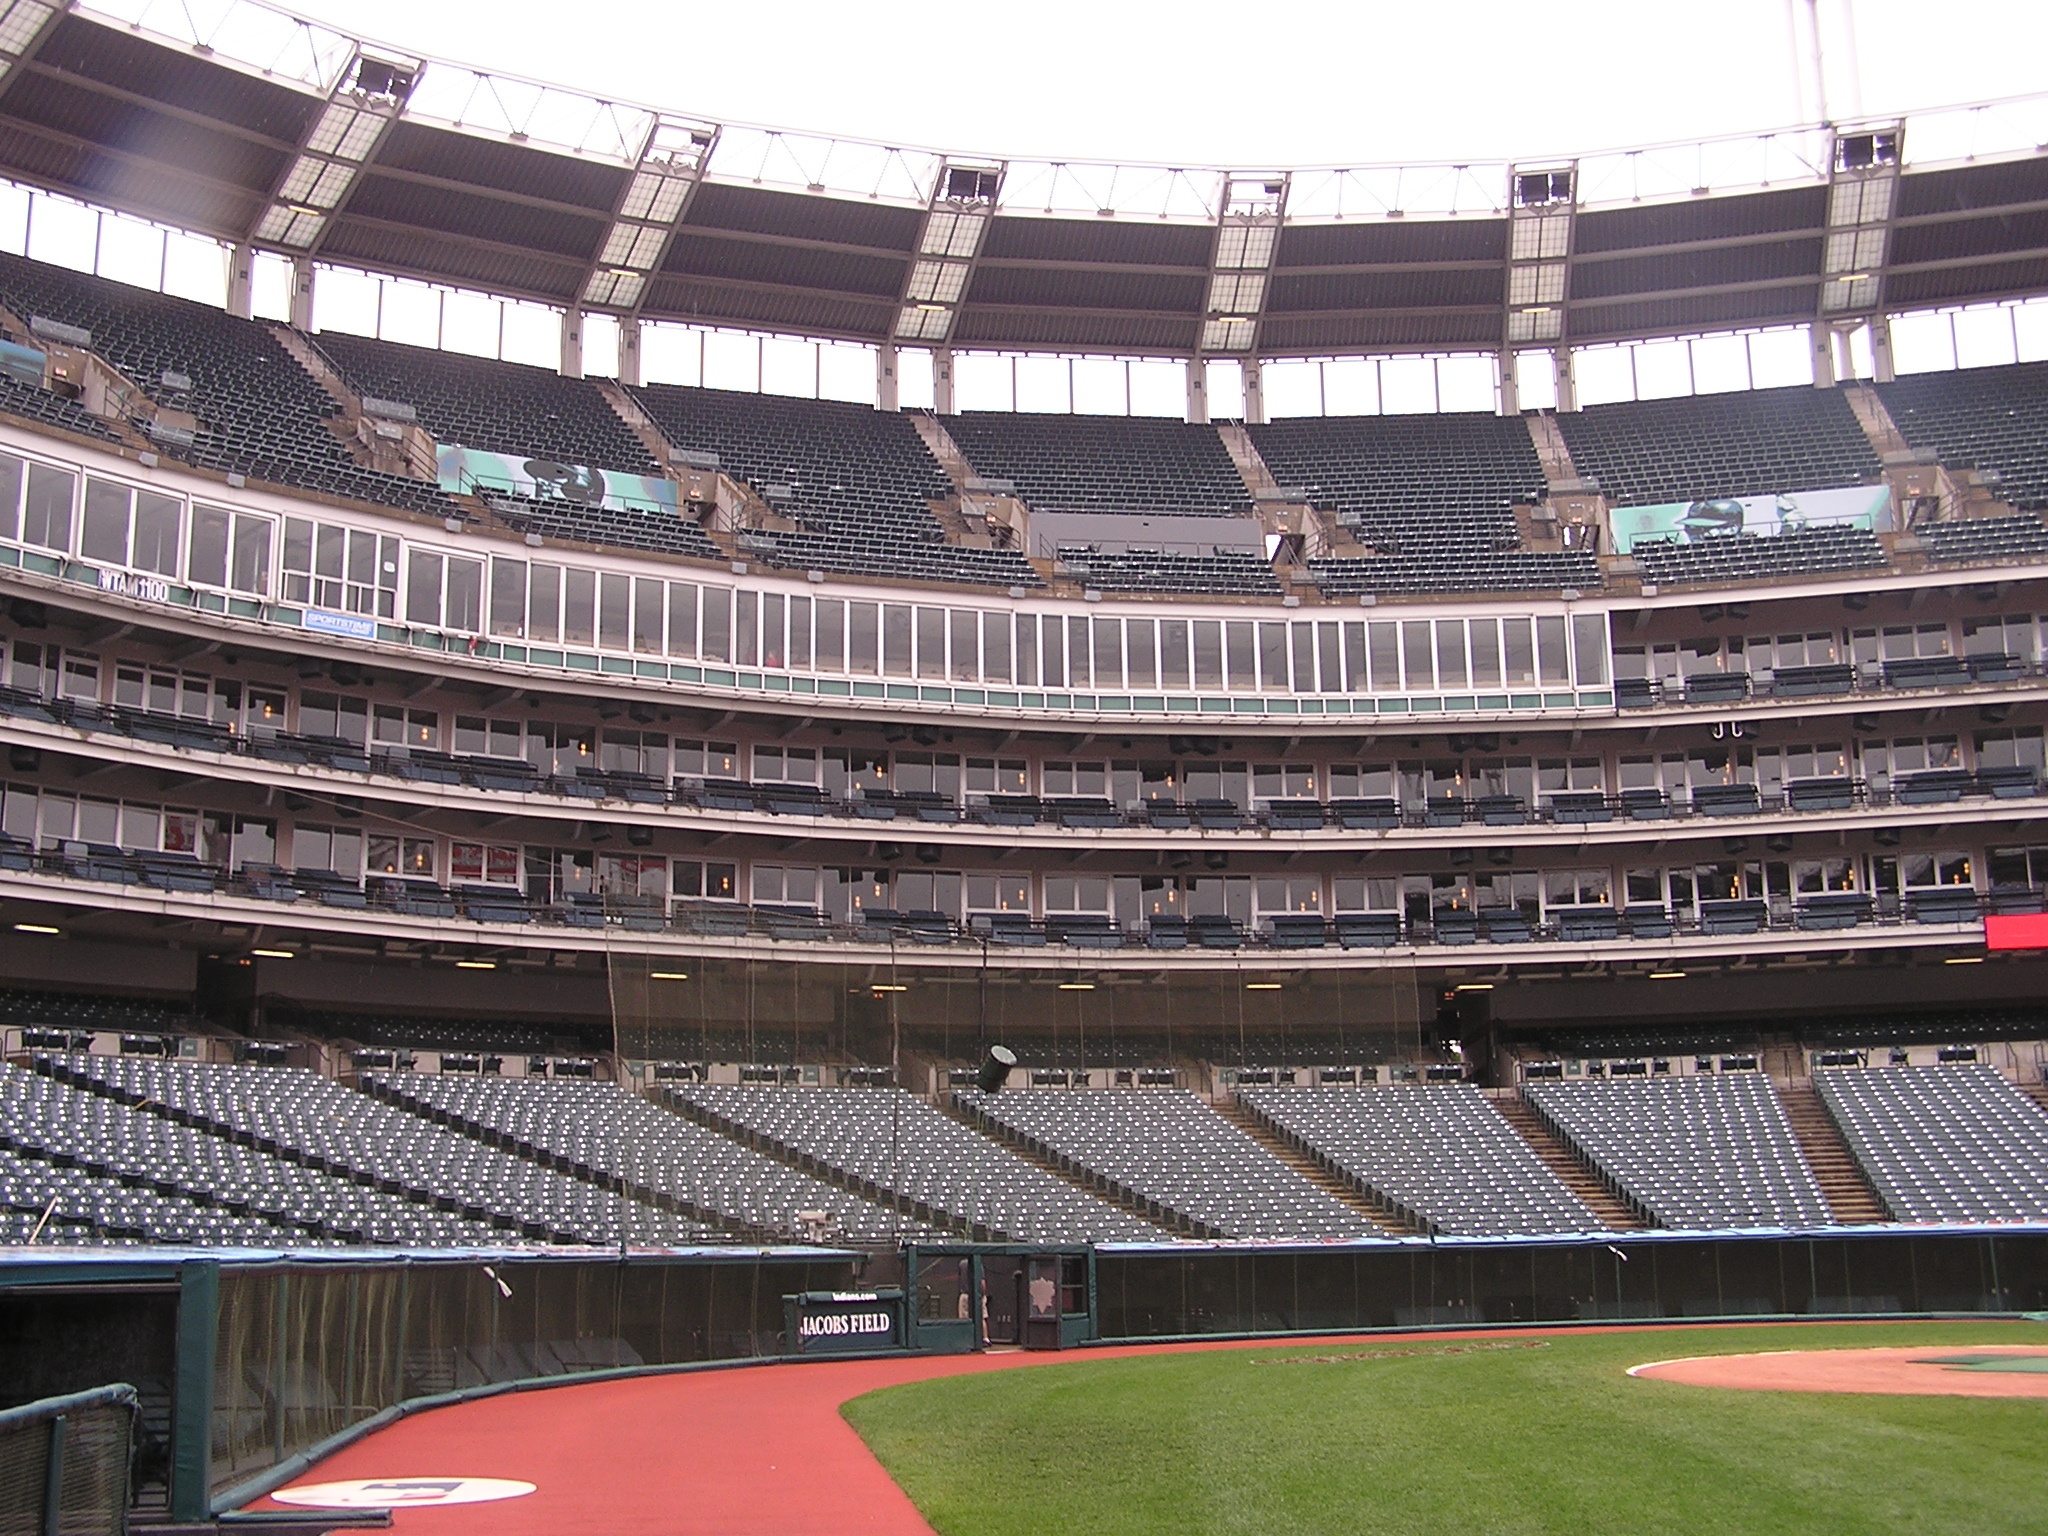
(1250, 212)
(940, 272)
(1536, 288)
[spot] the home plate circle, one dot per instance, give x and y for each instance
(403, 1492)
(1988, 1370)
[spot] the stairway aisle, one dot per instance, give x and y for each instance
(1562, 1161)
(1843, 1183)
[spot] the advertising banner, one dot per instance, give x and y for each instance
(1694, 522)
(473, 469)
(843, 1322)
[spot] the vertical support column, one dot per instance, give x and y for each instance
(192, 1396)
(1881, 348)
(1821, 337)
(302, 293)
(1510, 390)
(629, 349)
(1198, 390)
(242, 282)
(572, 342)
(1567, 384)
(1254, 391)
(942, 381)
(888, 393)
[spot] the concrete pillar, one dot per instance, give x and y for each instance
(1254, 391)
(942, 381)
(302, 293)
(242, 283)
(1510, 390)
(1823, 355)
(888, 394)
(572, 342)
(1198, 389)
(1567, 385)
(629, 349)
(1881, 348)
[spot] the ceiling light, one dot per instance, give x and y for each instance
(1964, 960)
(476, 965)
(33, 928)
(889, 986)
(1475, 986)
(276, 954)
(668, 975)
(1077, 986)
(1262, 986)
(1667, 975)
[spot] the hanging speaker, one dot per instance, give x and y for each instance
(995, 1069)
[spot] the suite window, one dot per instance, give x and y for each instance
(1518, 638)
(1027, 649)
(123, 526)
(1485, 635)
(717, 606)
(995, 647)
(647, 616)
(1208, 653)
(1283, 781)
(579, 607)
(1068, 778)
(544, 602)
(614, 610)
(1300, 893)
(996, 893)
(682, 618)
(831, 649)
(1140, 641)
(929, 773)
(1052, 653)
(46, 508)
(1109, 652)
(477, 736)
(1077, 893)
(1451, 668)
(1273, 673)
(774, 630)
(338, 717)
(786, 765)
(800, 633)
(230, 550)
(928, 890)
(390, 854)
(1239, 639)
(338, 850)
(863, 638)
(931, 643)
(1418, 661)
(998, 776)
(1173, 653)
(896, 639)
(746, 641)
(1383, 645)
(706, 759)
(508, 598)
(784, 885)
(965, 627)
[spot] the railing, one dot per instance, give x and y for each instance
(1827, 680)
(65, 1463)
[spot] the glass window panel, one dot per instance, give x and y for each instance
(896, 639)
(1518, 636)
(11, 471)
(1109, 652)
(717, 643)
(1140, 643)
(251, 569)
(1052, 653)
(1418, 658)
(207, 564)
(1173, 653)
(800, 633)
(422, 587)
(863, 638)
(1080, 672)
(104, 532)
(508, 597)
(1238, 639)
(647, 615)
(995, 647)
(157, 525)
(1555, 665)
(746, 636)
(964, 645)
(465, 594)
(831, 649)
(1450, 653)
(579, 607)
(1273, 670)
(46, 509)
(614, 610)
(931, 642)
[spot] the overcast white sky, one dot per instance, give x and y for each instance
(1287, 82)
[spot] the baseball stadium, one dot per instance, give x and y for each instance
(712, 829)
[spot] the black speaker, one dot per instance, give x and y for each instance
(995, 1069)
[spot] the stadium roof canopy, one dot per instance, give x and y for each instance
(255, 126)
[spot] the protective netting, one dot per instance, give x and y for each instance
(306, 1350)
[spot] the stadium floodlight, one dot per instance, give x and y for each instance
(664, 179)
(956, 220)
(23, 26)
(1863, 185)
(364, 104)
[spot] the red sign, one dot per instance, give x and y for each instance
(2029, 931)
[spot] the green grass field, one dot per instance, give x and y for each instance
(1483, 1435)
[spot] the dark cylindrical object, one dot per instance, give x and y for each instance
(995, 1068)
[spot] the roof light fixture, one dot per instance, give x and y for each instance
(645, 217)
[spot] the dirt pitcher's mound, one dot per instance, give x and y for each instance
(1992, 1370)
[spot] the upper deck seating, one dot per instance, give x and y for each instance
(1224, 572)
(1409, 483)
(1981, 418)
(1752, 443)
(260, 413)
(508, 408)
(1111, 464)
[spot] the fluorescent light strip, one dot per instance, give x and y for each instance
(276, 954)
(34, 928)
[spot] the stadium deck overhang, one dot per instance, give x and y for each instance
(260, 128)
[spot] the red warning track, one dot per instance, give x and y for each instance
(714, 1453)
(699, 1453)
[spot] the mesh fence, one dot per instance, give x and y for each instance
(90, 1438)
(305, 1351)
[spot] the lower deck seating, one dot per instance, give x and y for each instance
(1946, 1143)
(1439, 1155)
(1169, 1147)
(1699, 1152)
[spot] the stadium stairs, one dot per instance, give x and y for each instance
(2038, 1092)
(1576, 1175)
(1312, 1166)
(1850, 1195)
(1078, 1174)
